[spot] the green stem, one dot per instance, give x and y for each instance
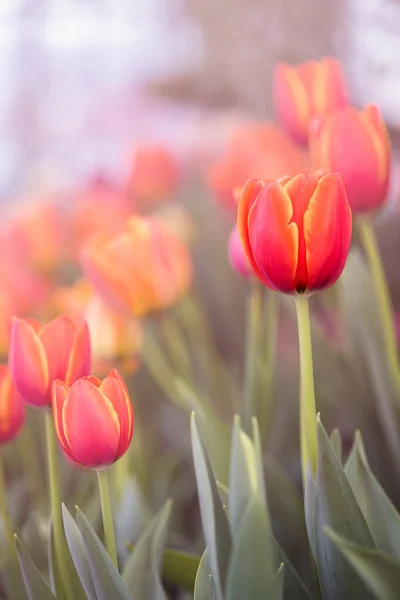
(383, 296)
(308, 424)
(30, 460)
(253, 324)
(108, 523)
(58, 531)
(266, 405)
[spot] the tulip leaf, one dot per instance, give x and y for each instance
(379, 571)
(35, 584)
(379, 512)
(293, 587)
(108, 583)
(78, 552)
(54, 571)
(142, 570)
(334, 505)
(336, 442)
(214, 519)
(204, 588)
(180, 568)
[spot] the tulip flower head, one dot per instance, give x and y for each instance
(356, 144)
(237, 256)
(142, 270)
(40, 354)
(312, 89)
(296, 233)
(12, 408)
(93, 419)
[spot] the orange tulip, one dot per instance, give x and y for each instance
(142, 270)
(312, 89)
(356, 144)
(296, 233)
(93, 419)
(237, 256)
(39, 354)
(12, 408)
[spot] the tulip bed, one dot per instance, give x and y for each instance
(200, 394)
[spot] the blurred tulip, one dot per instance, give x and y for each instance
(312, 89)
(39, 354)
(356, 144)
(12, 408)
(257, 150)
(178, 220)
(142, 270)
(93, 419)
(296, 233)
(154, 177)
(237, 256)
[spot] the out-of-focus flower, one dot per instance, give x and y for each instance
(259, 150)
(296, 233)
(39, 354)
(142, 270)
(356, 144)
(12, 408)
(237, 256)
(312, 89)
(178, 220)
(93, 419)
(155, 175)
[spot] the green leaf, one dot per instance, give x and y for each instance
(379, 512)
(142, 570)
(54, 571)
(108, 583)
(214, 520)
(35, 583)
(204, 588)
(336, 442)
(379, 571)
(180, 568)
(78, 553)
(293, 587)
(334, 505)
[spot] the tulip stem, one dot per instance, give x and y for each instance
(108, 523)
(383, 296)
(58, 531)
(271, 326)
(253, 331)
(9, 535)
(308, 423)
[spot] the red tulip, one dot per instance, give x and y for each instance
(12, 408)
(356, 144)
(93, 419)
(296, 233)
(237, 256)
(40, 354)
(312, 89)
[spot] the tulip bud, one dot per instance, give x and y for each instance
(12, 408)
(39, 354)
(356, 144)
(312, 89)
(296, 233)
(93, 419)
(142, 270)
(237, 256)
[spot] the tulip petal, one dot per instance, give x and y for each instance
(57, 338)
(12, 409)
(59, 392)
(327, 232)
(377, 131)
(91, 425)
(28, 364)
(274, 238)
(249, 195)
(291, 101)
(115, 389)
(79, 358)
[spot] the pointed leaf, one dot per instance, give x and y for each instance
(336, 441)
(180, 568)
(78, 553)
(214, 520)
(108, 583)
(379, 512)
(204, 588)
(142, 570)
(54, 571)
(293, 587)
(35, 584)
(379, 571)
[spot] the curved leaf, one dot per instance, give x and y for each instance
(180, 568)
(35, 584)
(204, 588)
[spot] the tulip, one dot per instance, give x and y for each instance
(312, 89)
(296, 233)
(93, 419)
(12, 408)
(40, 354)
(356, 144)
(142, 270)
(237, 256)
